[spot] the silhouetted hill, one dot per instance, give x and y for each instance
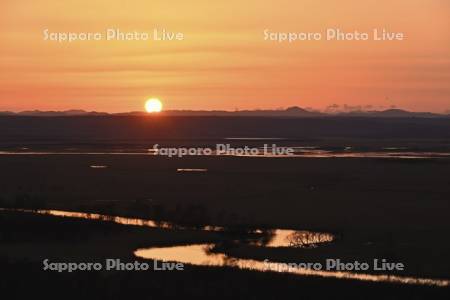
(392, 113)
(293, 111)
(40, 113)
(6, 113)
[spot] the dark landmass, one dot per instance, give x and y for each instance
(146, 130)
(395, 209)
(380, 208)
(62, 239)
(391, 113)
(293, 111)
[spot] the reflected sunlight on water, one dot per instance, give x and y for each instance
(192, 170)
(200, 255)
(294, 238)
(308, 152)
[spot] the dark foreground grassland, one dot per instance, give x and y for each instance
(22, 277)
(379, 208)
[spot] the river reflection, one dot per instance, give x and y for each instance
(307, 152)
(298, 239)
(192, 170)
(260, 237)
(204, 255)
(201, 255)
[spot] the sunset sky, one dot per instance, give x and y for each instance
(224, 61)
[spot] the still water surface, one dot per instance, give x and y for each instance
(202, 254)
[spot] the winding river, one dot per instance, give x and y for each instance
(203, 255)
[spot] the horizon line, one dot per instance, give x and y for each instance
(292, 109)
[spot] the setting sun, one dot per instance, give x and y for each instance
(153, 105)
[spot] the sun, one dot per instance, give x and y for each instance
(153, 105)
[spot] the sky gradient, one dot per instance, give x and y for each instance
(224, 62)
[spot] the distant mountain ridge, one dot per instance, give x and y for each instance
(293, 111)
(72, 112)
(394, 112)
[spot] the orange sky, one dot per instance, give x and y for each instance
(224, 62)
